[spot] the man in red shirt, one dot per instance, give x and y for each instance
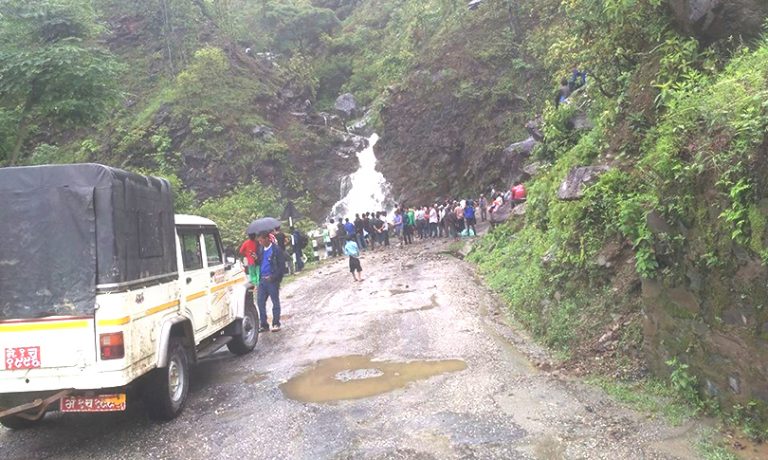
(248, 250)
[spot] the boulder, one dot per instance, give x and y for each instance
(714, 19)
(501, 214)
(519, 210)
(522, 148)
(533, 168)
(263, 132)
(574, 184)
(534, 129)
(346, 105)
(579, 121)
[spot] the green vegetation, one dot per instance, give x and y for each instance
(245, 204)
(51, 71)
(213, 95)
(649, 396)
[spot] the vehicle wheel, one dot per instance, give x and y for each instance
(246, 341)
(18, 423)
(168, 387)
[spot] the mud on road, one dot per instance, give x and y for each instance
(414, 362)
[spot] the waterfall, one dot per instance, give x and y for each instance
(364, 190)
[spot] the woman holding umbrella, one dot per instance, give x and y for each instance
(270, 260)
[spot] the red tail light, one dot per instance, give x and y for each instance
(112, 345)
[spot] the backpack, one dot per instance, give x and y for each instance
(301, 240)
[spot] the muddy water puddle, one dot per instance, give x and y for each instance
(356, 377)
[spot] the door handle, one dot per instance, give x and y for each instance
(189, 280)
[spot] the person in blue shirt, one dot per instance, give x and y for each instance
(271, 260)
(469, 218)
(349, 227)
(353, 252)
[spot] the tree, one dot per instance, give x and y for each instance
(235, 211)
(50, 69)
(297, 25)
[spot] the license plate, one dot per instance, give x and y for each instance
(22, 358)
(98, 403)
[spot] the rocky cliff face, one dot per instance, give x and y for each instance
(445, 129)
(714, 19)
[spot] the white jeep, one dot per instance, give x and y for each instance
(103, 287)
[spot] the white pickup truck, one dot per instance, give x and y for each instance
(102, 287)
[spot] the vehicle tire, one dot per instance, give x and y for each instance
(18, 423)
(167, 387)
(245, 342)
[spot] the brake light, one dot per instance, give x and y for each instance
(112, 345)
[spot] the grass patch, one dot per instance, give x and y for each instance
(649, 396)
(710, 447)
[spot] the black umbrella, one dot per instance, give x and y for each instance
(265, 224)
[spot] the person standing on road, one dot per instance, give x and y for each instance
(483, 204)
(410, 223)
(332, 234)
(469, 218)
(433, 221)
(353, 252)
(398, 226)
(341, 237)
(271, 260)
(359, 232)
(282, 241)
(299, 243)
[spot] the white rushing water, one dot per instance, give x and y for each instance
(365, 190)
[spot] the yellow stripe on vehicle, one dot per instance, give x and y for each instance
(196, 295)
(44, 326)
(219, 287)
(159, 308)
(115, 322)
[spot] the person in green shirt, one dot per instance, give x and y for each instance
(410, 223)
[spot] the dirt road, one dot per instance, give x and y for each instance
(414, 362)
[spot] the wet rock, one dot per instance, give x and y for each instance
(286, 94)
(534, 129)
(519, 210)
(711, 389)
(713, 19)
(735, 317)
(533, 169)
(684, 299)
(579, 121)
(346, 105)
(608, 255)
(734, 383)
(657, 224)
(574, 184)
(263, 132)
(361, 128)
(501, 214)
(522, 148)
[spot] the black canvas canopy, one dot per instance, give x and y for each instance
(67, 231)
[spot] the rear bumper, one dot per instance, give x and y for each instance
(37, 381)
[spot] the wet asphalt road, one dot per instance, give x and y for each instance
(416, 306)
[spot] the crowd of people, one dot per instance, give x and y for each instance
(270, 255)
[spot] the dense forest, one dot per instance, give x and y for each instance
(643, 243)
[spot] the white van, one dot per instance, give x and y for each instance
(102, 287)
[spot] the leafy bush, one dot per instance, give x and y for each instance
(234, 211)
